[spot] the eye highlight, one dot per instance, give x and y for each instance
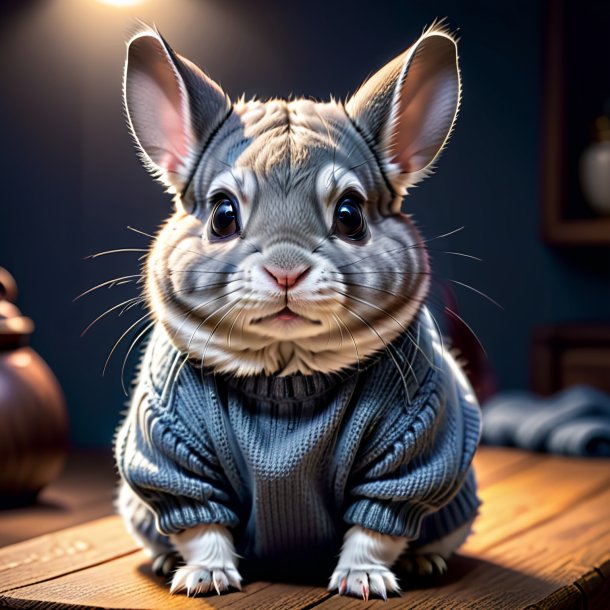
(349, 218)
(224, 221)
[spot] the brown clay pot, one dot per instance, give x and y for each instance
(33, 418)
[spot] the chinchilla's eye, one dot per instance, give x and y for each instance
(349, 219)
(224, 217)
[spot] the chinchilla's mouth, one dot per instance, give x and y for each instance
(285, 315)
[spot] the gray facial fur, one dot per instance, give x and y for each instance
(286, 164)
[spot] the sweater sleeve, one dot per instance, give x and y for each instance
(169, 462)
(422, 463)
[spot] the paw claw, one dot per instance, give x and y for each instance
(233, 577)
(439, 562)
(426, 564)
(371, 580)
(195, 579)
(377, 586)
(390, 581)
(165, 564)
(220, 580)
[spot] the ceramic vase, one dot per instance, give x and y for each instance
(33, 418)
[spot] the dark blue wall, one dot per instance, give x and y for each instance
(71, 182)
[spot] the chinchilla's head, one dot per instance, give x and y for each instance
(287, 250)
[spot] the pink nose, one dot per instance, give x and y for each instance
(286, 278)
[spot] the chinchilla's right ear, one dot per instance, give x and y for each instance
(406, 110)
(172, 107)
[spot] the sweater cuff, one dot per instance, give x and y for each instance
(174, 515)
(416, 520)
(391, 518)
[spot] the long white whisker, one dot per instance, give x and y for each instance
(198, 327)
(460, 319)
(394, 294)
(408, 247)
(114, 308)
(218, 260)
(387, 347)
(110, 283)
(242, 310)
(198, 308)
(339, 320)
(144, 317)
(340, 334)
(106, 252)
(139, 336)
(215, 329)
(440, 334)
(485, 296)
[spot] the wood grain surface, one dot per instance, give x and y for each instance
(85, 490)
(542, 541)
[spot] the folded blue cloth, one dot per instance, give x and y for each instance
(575, 421)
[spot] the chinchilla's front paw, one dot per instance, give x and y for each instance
(211, 561)
(198, 578)
(364, 564)
(364, 581)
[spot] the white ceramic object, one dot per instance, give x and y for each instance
(595, 168)
(595, 176)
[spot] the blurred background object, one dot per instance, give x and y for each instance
(574, 421)
(576, 62)
(535, 75)
(33, 418)
(570, 354)
(595, 167)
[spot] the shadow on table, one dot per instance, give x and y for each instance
(467, 578)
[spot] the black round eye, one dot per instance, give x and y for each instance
(224, 217)
(349, 219)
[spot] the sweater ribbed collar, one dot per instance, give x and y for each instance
(412, 354)
(292, 388)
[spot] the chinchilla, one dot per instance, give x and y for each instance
(294, 402)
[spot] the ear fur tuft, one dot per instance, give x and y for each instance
(408, 108)
(170, 105)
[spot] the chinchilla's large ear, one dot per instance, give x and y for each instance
(172, 107)
(407, 109)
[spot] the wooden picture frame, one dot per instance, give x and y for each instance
(564, 222)
(569, 354)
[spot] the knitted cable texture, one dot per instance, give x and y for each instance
(288, 463)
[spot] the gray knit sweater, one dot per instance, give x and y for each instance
(288, 463)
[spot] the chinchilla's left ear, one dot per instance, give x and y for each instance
(407, 109)
(172, 107)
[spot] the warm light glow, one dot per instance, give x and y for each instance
(20, 358)
(121, 3)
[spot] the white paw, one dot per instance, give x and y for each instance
(358, 582)
(197, 578)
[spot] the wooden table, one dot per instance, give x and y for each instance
(542, 541)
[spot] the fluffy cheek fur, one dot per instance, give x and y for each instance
(213, 298)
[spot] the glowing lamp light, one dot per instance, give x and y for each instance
(121, 3)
